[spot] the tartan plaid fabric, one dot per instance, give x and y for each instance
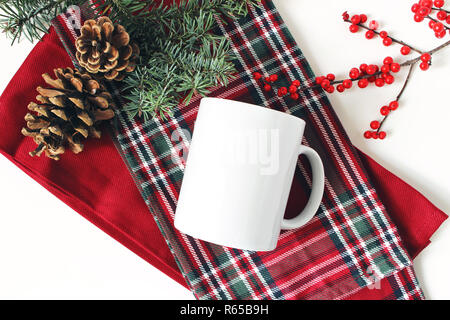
(350, 244)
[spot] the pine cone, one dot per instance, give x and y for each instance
(105, 48)
(68, 113)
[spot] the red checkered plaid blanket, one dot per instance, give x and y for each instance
(349, 245)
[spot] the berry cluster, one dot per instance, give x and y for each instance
(424, 9)
(380, 75)
(364, 75)
(269, 80)
(376, 125)
(266, 81)
(358, 21)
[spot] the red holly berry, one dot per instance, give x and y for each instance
(372, 79)
(370, 34)
(374, 135)
(371, 69)
(438, 27)
(354, 73)
(363, 18)
(383, 34)
(257, 75)
(267, 79)
(347, 83)
(405, 50)
(381, 135)
(293, 89)
(330, 89)
(439, 3)
(375, 124)
(441, 15)
(425, 57)
(388, 60)
(385, 68)
(426, 3)
(363, 68)
(331, 77)
(363, 83)
(393, 105)
(340, 88)
(345, 16)
(384, 111)
(273, 78)
(294, 96)
(267, 87)
(415, 7)
(424, 11)
(353, 28)
(389, 79)
(440, 34)
(319, 79)
(296, 83)
(368, 134)
(282, 91)
(424, 66)
(373, 25)
(431, 24)
(418, 18)
(356, 19)
(379, 82)
(325, 83)
(387, 41)
(395, 67)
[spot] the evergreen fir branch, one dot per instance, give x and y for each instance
(181, 55)
(151, 92)
(120, 10)
(180, 36)
(174, 75)
(29, 18)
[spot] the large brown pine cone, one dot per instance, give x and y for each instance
(105, 48)
(69, 112)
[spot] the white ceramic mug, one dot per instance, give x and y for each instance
(238, 175)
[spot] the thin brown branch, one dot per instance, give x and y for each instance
(440, 9)
(393, 39)
(436, 21)
(411, 67)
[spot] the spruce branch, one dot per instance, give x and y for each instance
(29, 18)
(181, 55)
(173, 75)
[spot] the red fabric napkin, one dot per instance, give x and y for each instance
(97, 184)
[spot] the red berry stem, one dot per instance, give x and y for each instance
(403, 64)
(437, 21)
(392, 38)
(411, 67)
(431, 52)
(440, 9)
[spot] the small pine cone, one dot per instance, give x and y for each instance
(105, 48)
(68, 113)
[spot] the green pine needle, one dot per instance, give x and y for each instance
(30, 18)
(181, 54)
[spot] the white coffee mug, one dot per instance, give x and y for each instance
(238, 175)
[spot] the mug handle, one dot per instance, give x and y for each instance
(315, 198)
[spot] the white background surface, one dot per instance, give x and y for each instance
(49, 251)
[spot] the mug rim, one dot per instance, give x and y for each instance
(260, 108)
